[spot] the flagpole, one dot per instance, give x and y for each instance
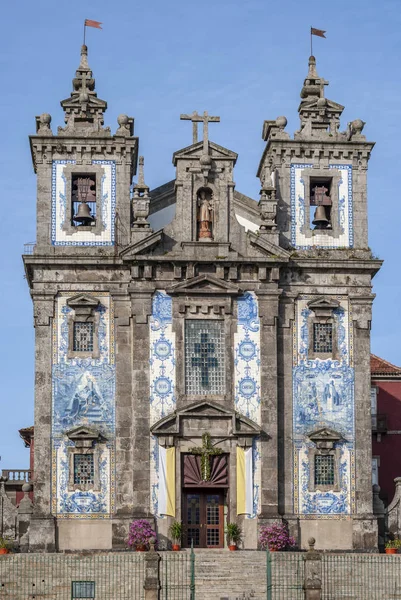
(84, 31)
(311, 49)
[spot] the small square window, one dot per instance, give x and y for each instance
(322, 338)
(324, 469)
(82, 589)
(84, 469)
(83, 336)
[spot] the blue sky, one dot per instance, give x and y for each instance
(242, 60)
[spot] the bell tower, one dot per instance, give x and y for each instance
(314, 200)
(84, 175)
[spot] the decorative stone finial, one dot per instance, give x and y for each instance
(141, 199)
(43, 124)
(83, 109)
(311, 540)
(126, 125)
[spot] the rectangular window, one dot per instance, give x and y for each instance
(324, 469)
(373, 404)
(375, 471)
(322, 338)
(83, 336)
(82, 589)
(204, 357)
(84, 469)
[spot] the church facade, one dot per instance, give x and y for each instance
(200, 356)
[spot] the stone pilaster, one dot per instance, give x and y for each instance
(124, 450)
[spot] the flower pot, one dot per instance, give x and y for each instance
(4, 551)
(391, 550)
(232, 547)
(175, 547)
(140, 548)
(272, 549)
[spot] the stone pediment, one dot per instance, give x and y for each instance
(207, 413)
(323, 303)
(325, 438)
(271, 250)
(205, 284)
(196, 150)
(84, 436)
(329, 105)
(81, 300)
(142, 246)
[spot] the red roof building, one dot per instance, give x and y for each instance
(386, 425)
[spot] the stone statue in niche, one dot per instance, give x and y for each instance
(205, 214)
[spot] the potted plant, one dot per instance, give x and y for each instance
(392, 546)
(234, 534)
(5, 545)
(175, 531)
(275, 537)
(140, 532)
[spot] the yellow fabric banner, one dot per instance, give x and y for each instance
(241, 487)
(170, 463)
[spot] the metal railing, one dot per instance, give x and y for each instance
(285, 574)
(29, 248)
(17, 475)
(361, 576)
(177, 575)
(116, 576)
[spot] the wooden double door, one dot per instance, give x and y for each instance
(203, 518)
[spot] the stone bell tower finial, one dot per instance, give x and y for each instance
(83, 109)
(319, 116)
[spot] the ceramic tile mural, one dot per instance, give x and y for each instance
(83, 394)
(322, 238)
(247, 375)
(59, 236)
(162, 378)
(323, 396)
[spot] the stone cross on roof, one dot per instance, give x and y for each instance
(205, 119)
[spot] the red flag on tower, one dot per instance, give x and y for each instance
(90, 23)
(319, 32)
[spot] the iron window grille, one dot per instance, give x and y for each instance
(84, 470)
(324, 469)
(83, 336)
(82, 589)
(323, 338)
(204, 357)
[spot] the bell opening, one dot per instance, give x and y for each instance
(320, 203)
(83, 200)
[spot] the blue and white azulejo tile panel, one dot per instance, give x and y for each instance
(83, 394)
(323, 397)
(61, 237)
(162, 378)
(247, 376)
(321, 238)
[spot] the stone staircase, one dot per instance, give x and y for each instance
(223, 574)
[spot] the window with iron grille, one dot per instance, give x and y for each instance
(322, 338)
(82, 589)
(84, 469)
(324, 469)
(83, 336)
(204, 357)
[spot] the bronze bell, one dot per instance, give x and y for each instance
(320, 220)
(83, 215)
